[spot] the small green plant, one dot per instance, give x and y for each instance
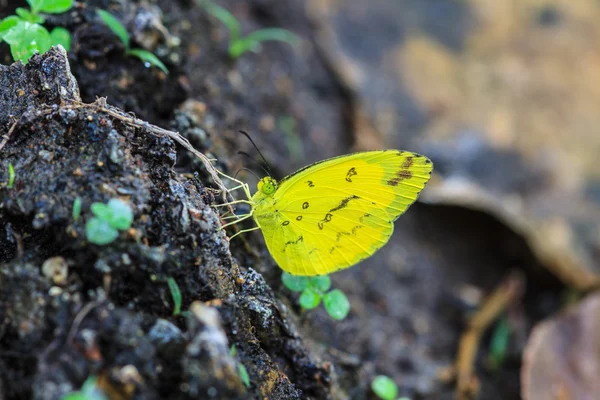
(385, 388)
(24, 33)
(118, 29)
(239, 45)
(175, 294)
(76, 208)
(242, 371)
(11, 176)
(292, 140)
(314, 289)
(499, 343)
(108, 219)
(89, 391)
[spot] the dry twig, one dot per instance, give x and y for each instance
(507, 293)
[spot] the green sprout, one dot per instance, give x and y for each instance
(89, 391)
(242, 371)
(499, 343)
(119, 30)
(292, 140)
(384, 387)
(11, 176)
(24, 33)
(176, 294)
(109, 218)
(239, 45)
(314, 290)
(76, 208)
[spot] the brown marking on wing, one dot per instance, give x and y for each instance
(401, 175)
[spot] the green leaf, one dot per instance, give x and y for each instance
(61, 36)
(499, 343)
(26, 38)
(116, 26)
(384, 387)
(243, 373)
(28, 16)
(253, 40)
(121, 215)
(175, 294)
(76, 208)
(321, 283)
(54, 6)
(89, 391)
(101, 211)
(7, 24)
(11, 176)
(309, 299)
(337, 304)
(226, 18)
(35, 5)
(294, 283)
(148, 57)
(99, 231)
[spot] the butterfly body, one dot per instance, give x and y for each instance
(332, 214)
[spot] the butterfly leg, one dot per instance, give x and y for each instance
(241, 185)
(243, 217)
(244, 231)
(233, 202)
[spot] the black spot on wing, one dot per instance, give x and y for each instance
(327, 218)
(351, 172)
(285, 223)
(305, 205)
(293, 242)
(339, 235)
(344, 203)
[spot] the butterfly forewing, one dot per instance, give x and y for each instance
(335, 213)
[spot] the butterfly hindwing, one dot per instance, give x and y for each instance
(335, 213)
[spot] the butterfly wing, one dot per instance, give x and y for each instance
(335, 213)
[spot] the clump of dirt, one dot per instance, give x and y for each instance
(112, 316)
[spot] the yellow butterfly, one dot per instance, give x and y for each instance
(334, 213)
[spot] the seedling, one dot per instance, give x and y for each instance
(176, 294)
(385, 388)
(292, 140)
(76, 208)
(314, 290)
(499, 343)
(109, 219)
(242, 371)
(118, 29)
(239, 45)
(24, 33)
(89, 391)
(11, 176)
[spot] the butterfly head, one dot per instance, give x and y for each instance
(267, 186)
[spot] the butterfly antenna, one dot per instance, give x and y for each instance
(268, 168)
(267, 171)
(246, 169)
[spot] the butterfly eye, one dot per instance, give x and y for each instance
(267, 185)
